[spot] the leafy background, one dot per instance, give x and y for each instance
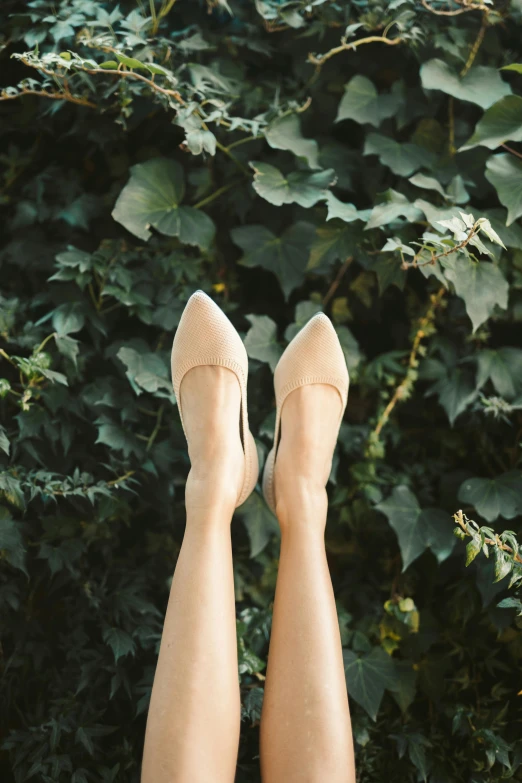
(363, 158)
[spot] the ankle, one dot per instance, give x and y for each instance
(301, 505)
(213, 487)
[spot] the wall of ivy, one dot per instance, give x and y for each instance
(359, 157)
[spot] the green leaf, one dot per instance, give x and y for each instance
(261, 340)
(456, 391)
(68, 347)
(259, 521)
(367, 677)
(393, 206)
(389, 272)
(503, 367)
(299, 187)
(117, 438)
(402, 159)
(12, 546)
(68, 318)
(517, 67)
(481, 285)
(146, 372)
(362, 103)
(472, 549)
(404, 687)
(417, 529)
(120, 642)
(4, 441)
(285, 256)
(350, 346)
(333, 242)
(284, 133)
(152, 197)
(481, 85)
(427, 183)
(346, 212)
(494, 497)
(130, 62)
(505, 174)
(501, 122)
(303, 312)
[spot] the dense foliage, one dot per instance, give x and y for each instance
(363, 158)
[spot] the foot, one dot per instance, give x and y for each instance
(309, 429)
(211, 403)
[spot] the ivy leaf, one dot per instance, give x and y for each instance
(394, 206)
(4, 441)
(362, 103)
(68, 347)
(350, 346)
(501, 122)
(259, 521)
(402, 159)
(417, 529)
(333, 242)
(117, 438)
(285, 256)
(346, 212)
(368, 676)
(505, 174)
(303, 312)
(299, 187)
(261, 340)
(404, 687)
(389, 272)
(480, 284)
(146, 372)
(456, 390)
(11, 542)
(284, 133)
(68, 318)
(503, 367)
(120, 642)
(481, 85)
(494, 497)
(152, 197)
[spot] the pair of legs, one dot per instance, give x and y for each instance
(194, 717)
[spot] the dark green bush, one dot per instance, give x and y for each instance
(152, 149)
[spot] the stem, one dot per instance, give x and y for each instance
(44, 343)
(335, 285)
(513, 152)
(229, 154)
(455, 12)
(451, 127)
(156, 428)
(215, 195)
(420, 334)
(116, 481)
(476, 46)
(242, 141)
(55, 96)
(320, 59)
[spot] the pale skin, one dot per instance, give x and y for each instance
(194, 716)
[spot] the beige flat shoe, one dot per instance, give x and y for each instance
(313, 356)
(206, 336)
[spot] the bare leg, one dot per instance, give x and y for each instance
(194, 716)
(305, 724)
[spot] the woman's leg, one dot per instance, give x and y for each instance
(194, 716)
(306, 732)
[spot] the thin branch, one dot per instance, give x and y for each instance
(345, 46)
(335, 285)
(459, 519)
(424, 325)
(472, 232)
(120, 72)
(510, 149)
(476, 46)
(466, 6)
(55, 96)
(216, 194)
